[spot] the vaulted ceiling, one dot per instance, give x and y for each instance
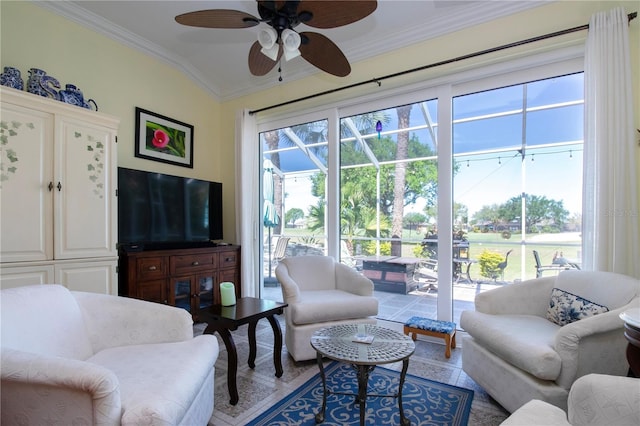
(217, 58)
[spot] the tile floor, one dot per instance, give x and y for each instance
(259, 389)
(400, 307)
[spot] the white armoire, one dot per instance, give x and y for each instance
(58, 206)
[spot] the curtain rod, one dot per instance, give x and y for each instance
(378, 80)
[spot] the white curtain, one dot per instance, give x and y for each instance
(610, 211)
(247, 197)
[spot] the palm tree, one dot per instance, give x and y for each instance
(402, 153)
(272, 139)
(310, 133)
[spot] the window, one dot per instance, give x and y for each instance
(518, 175)
(293, 186)
(511, 147)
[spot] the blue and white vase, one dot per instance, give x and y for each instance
(11, 78)
(33, 84)
(72, 95)
(49, 84)
(41, 84)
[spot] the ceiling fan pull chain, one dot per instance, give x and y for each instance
(280, 71)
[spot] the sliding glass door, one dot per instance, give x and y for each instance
(388, 196)
(434, 196)
(294, 160)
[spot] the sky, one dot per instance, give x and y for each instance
(484, 183)
(491, 125)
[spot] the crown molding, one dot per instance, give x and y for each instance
(96, 23)
(477, 12)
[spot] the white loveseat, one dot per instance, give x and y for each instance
(594, 400)
(85, 358)
(517, 354)
(321, 292)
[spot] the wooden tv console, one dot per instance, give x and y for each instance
(188, 278)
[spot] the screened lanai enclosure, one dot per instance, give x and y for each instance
(428, 206)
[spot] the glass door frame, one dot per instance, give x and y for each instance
(525, 68)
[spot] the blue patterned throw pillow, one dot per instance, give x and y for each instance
(565, 308)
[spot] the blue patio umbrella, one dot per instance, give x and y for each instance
(270, 218)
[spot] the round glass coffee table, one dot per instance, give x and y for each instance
(349, 343)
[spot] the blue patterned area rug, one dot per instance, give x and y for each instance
(425, 402)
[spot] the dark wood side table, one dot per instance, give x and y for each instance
(631, 320)
(247, 310)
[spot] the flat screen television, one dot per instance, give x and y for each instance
(159, 211)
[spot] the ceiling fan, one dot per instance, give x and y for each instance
(280, 39)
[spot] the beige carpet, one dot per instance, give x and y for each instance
(259, 389)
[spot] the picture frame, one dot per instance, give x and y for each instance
(163, 139)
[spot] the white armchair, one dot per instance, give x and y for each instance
(86, 358)
(516, 353)
(321, 292)
(594, 400)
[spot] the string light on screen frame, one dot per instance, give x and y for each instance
(499, 158)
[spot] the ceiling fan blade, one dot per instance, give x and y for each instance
(218, 18)
(321, 52)
(260, 64)
(332, 14)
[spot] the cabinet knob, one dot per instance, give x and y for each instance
(152, 268)
(59, 186)
(195, 263)
(50, 186)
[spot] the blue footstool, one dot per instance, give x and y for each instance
(444, 329)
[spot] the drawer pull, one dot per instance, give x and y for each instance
(228, 259)
(152, 268)
(195, 263)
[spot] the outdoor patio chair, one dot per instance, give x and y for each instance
(426, 273)
(540, 268)
(280, 250)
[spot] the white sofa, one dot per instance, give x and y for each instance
(517, 354)
(321, 292)
(85, 358)
(594, 400)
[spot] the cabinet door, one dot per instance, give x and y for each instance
(181, 292)
(205, 283)
(193, 292)
(20, 276)
(94, 277)
(153, 291)
(85, 205)
(26, 170)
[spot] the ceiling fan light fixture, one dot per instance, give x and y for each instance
(290, 44)
(271, 53)
(268, 37)
(282, 17)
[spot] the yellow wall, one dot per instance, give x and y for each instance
(120, 78)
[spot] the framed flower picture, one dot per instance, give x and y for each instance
(163, 139)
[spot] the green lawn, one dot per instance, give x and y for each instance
(546, 245)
